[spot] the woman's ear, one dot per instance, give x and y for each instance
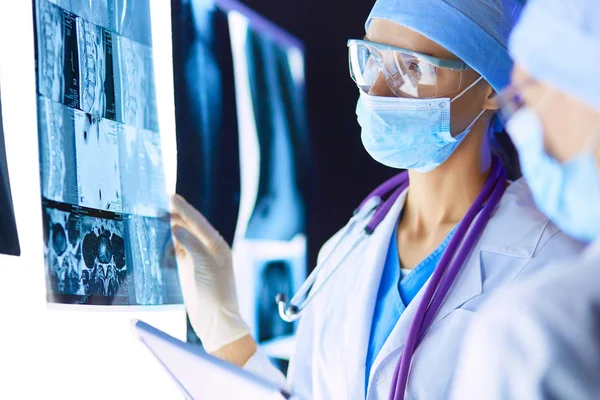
(490, 101)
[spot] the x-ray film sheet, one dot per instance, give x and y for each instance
(107, 238)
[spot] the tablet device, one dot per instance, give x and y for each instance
(200, 375)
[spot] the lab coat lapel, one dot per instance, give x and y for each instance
(397, 339)
(361, 301)
(468, 284)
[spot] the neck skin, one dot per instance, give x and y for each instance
(442, 197)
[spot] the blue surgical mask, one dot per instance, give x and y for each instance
(568, 193)
(409, 133)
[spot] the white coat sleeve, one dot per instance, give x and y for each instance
(535, 340)
(300, 369)
(260, 365)
(299, 372)
(514, 353)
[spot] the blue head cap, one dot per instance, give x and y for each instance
(476, 31)
(558, 42)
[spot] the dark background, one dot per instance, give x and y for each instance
(344, 173)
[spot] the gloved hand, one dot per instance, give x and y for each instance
(206, 275)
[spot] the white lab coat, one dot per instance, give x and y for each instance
(333, 333)
(539, 339)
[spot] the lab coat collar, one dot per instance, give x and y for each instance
(361, 304)
(512, 239)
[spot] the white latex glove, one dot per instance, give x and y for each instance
(206, 274)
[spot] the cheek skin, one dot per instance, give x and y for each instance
(568, 128)
(556, 136)
(466, 108)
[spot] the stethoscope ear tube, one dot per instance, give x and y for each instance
(372, 211)
(290, 312)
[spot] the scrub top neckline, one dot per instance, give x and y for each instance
(433, 255)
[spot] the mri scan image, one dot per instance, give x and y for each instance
(276, 278)
(156, 280)
(97, 159)
(90, 262)
(140, 155)
(75, 61)
(128, 18)
(57, 54)
(134, 83)
(57, 151)
(97, 91)
(107, 237)
(85, 256)
(131, 19)
(95, 11)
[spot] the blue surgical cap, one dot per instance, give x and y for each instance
(558, 42)
(476, 31)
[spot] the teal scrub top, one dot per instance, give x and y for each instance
(395, 294)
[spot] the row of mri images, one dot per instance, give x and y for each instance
(243, 148)
(104, 202)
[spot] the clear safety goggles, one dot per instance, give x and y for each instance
(408, 73)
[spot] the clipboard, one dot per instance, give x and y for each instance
(201, 376)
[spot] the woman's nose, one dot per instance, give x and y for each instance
(381, 87)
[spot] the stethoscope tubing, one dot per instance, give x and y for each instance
(451, 263)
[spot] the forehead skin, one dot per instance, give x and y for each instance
(388, 32)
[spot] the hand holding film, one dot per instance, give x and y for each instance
(206, 274)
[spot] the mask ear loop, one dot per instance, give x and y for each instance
(466, 90)
(544, 104)
(472, 124)
(475, 120)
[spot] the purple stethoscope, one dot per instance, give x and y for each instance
(371, 212)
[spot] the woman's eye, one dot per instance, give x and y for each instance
(414, 69)
(376, 57)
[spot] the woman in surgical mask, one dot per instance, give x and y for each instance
(427, 72)
(540, 339)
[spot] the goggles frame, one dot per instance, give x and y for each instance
(456, 65)
(376, 52)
